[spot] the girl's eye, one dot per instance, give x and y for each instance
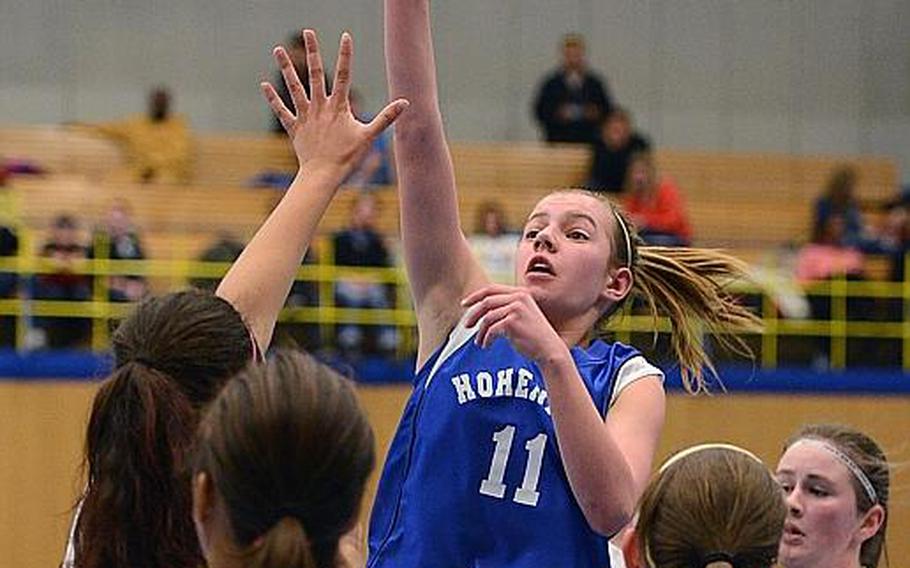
(578, 235)
(531, 233)
(818, 491)
(785, 486)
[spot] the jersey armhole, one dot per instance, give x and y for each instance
(456, 339)
(634, 369)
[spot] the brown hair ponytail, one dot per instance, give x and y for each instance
(288, 450)
(690, 287)
(135, 511)
(173, 354)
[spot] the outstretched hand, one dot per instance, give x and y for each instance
(322, 128)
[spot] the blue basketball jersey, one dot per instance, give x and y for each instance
(474, 476)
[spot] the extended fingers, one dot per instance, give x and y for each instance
(316, 69)
(277, 106)
(341, 85)
(295, 88)
(386, 117)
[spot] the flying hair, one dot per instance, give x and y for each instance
(690, 286)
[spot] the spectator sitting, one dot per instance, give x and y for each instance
(361, 245)
(122, 243)
(157, 144)
(655, 205)
(376, 167)
(494, 246)
(895, 234)
(613, 150)
(827, 256)
(226, 248)
(9, 244)
(296, 49)
(839, 199)
(63, 250)
(572, 101)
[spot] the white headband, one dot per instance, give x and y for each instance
(842, 457)
(625, 234)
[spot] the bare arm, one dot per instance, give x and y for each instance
(607, 461)
(329, 142)
(440, 265)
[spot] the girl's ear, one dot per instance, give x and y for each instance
(618, 286)
(631, 550)
(203, 504)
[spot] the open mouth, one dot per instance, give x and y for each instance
(792, 530)
(540, 265)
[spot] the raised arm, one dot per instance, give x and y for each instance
(440, 266)
(329, 141)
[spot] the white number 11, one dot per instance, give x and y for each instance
(493, 486)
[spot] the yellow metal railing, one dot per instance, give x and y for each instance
(838, 329)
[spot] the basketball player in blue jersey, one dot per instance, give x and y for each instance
(525, 443)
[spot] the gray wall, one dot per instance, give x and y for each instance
(800, 76)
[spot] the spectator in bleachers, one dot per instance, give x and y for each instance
(157, 143)
(360, 244)
(377, 165)
(121, 241)
(9, 242)
(826, 256)
(655, 204)
(63, 250)
(613, 151)
(493, 244)
(839, 200)
(296, 49)
(895, 233)
(572, 101)
(226, 248)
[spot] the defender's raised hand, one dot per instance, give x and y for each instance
(323, 130)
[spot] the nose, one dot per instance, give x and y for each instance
(794, 503)
(544, 241)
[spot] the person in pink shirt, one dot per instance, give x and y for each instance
(825, 258)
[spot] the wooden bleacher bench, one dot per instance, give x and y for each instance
(735, 200)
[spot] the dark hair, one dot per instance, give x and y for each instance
(839, 189)
(713, 506)
(173, 354)
(873, 462)
(289, 450)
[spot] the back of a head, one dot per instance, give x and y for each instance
(288, 451)
(714, 505)
(173, 354)
(194, 337)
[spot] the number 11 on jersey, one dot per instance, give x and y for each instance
(493, 486)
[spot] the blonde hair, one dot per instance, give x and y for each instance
(690, 286)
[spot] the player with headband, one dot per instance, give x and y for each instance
(837, 485)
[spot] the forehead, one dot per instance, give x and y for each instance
(566, 204)
(803, 459)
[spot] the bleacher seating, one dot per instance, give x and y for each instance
(746, 202)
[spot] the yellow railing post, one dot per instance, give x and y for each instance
(838, 328)
(769, 334)
(100, 290)
(326, 290)
(905, 305)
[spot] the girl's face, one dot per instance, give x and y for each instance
(823, 528)
(565, 254)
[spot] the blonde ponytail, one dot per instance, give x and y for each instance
(689, 286)
(284, 545)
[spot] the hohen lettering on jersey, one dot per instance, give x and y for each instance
(507, 382)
